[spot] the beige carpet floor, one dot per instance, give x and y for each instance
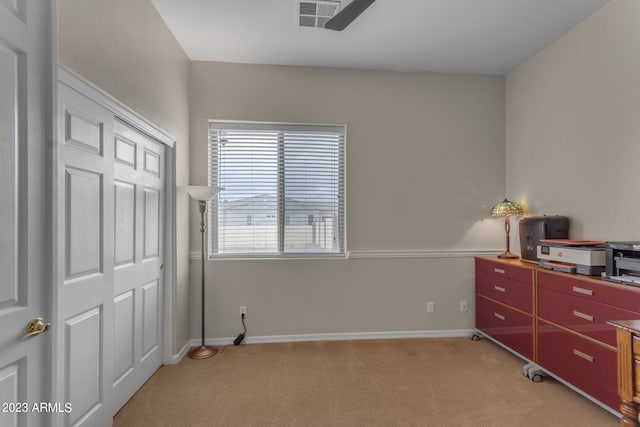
(390, 383)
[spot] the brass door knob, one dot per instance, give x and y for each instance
(36, 327)
(161, 267)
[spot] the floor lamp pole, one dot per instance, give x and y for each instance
(203, 351)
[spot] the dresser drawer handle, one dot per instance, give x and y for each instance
(499, 288)
(499, 270)
(582, 355)
(583, 316)
(583, 291)
(499, 316)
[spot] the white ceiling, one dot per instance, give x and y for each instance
(452, 36)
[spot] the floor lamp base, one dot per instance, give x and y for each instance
(202, 352)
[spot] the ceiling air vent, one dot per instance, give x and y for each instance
(316, 13)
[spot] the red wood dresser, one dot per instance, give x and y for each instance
(558, 321)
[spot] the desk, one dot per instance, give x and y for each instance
(628, 343)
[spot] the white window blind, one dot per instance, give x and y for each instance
(283, 189)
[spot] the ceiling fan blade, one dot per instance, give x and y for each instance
(348, 14)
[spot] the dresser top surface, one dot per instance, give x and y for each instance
(632, 326)
(516, 262)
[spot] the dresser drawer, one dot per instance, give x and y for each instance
(511, 292)
(500, 269)
(582, 315)
(504, 324)
(623, 296)
(588, 366)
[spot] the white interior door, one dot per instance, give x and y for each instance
(139, 201)
(25, 131)
(110, 223)
(83, 324)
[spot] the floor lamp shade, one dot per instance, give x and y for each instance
(202, 194)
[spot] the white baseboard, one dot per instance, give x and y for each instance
(176, 358)
(348, 336)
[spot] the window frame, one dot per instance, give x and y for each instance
(280, 127)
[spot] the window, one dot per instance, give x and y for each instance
(283, 189)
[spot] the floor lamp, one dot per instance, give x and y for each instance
(202, 194)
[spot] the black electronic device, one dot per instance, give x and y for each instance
(535, 228)
(623, 262)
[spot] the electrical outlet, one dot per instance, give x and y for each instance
(430, 307)
(243, 310)
(464, 306)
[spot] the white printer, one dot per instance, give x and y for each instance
(586, 257)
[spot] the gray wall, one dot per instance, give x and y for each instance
(425, 163)
(573, 128)
(125, 48)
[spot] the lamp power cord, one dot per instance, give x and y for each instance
(240, 337)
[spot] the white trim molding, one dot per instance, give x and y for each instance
(345, 336)
(123, 112)
(422, 253)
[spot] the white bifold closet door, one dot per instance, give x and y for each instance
(138, 247)
(110, 273)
